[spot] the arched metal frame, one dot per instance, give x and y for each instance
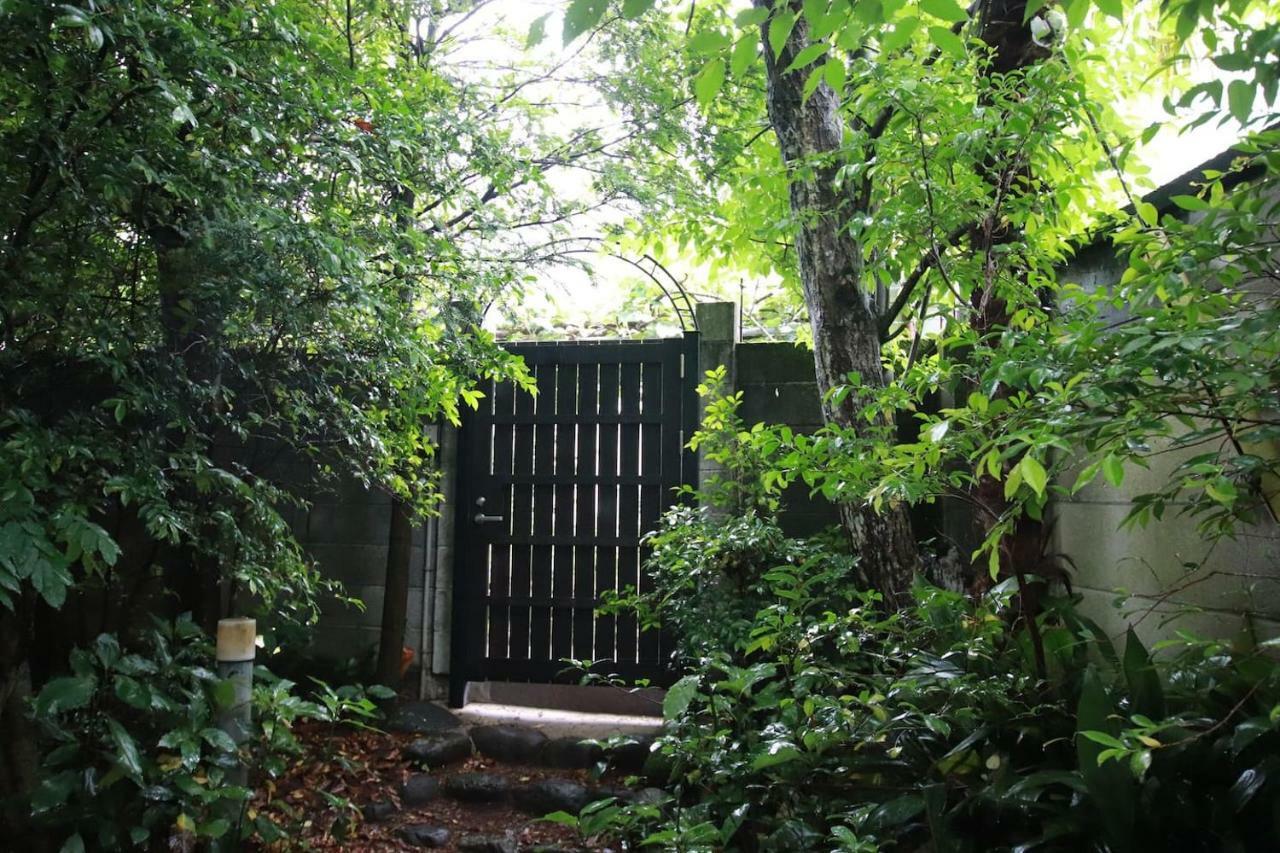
(672, 288)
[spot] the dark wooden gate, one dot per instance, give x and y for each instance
(555, 492)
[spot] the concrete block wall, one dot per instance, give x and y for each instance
(346, 530)
(1163, 576)
(778, 387)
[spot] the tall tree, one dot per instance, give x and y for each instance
(837, 290)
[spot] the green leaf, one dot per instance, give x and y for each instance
(1112, 8)
(1240, 94)
(938, 431)
(126, 749)
(708, 42)
(947, 10)
(537, 31)
(1146, 694)
(780, 30)
(807, 56)
(65, 694)
(133, 692)
(709, 82)
(947, 41)
(633, 9)
(1190, 202)
(74, 844)
(743, 56)
(1113, 470)
(900, 35)
(1110, 786)
(218, 739)
(1034, 474)
(835, 74)
(581, 16)
(779, 752)
(678, 697)
(1104, 739)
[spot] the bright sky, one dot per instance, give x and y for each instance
(575, 297)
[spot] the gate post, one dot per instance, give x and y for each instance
(718, 333)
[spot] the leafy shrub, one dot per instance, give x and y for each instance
(811, 719)
(832, 725)
(136, 755)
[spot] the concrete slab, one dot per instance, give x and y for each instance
(559, 723)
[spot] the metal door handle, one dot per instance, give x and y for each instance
(481, 518)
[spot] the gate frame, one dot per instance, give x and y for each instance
(466, 658)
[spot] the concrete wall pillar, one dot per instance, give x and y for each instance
(718, 336)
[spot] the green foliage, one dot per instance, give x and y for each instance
(135, 752)
(821, 723)
(212, 257)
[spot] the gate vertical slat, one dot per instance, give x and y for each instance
(654, 401)
(584, 566)
(607, 509)
(543, 513)
(521, 528)
(500, 565)
(629, 507)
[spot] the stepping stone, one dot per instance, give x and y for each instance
(512, 744)
(424, 835)
(552, 795)
(488, 844)
(437, 750)
(477, 787)
(571, 753)
(419, 789)
(631, 757)
(422, 718)
(624, 796)
(379, 811)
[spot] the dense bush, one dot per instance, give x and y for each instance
(136, 756)
(812, 718)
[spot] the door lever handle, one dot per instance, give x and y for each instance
(481, 518)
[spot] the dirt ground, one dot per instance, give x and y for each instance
(317, 801)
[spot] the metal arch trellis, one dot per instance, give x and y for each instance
(673, 289)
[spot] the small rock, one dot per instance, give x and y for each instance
(571, 753)
(477, 787)
(419, 789)
(488, 844)
(630, 757)
(439, 749)
(514, 744)
(552, 795)
(379, 811)
(650, 796)
(425, 835)
(624, 796)
(421, 718)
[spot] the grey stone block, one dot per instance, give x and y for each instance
(774, 363)
(781, 404)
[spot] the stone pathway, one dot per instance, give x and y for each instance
(437, 784)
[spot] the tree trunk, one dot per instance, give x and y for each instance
(395, 591)
(841, 311)
(395, 598)
(1001, 27)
